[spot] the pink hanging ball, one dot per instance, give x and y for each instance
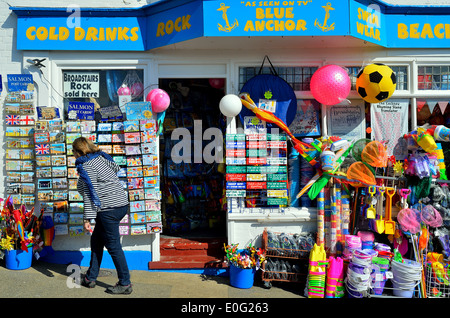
(160, 100)
(137, 89)
(123, 90)
(216, 82)
(330, 85)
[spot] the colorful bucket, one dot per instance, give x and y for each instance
(18, 259)
(242, 277)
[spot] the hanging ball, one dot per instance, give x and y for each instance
(137, 89)
(159, 98)
(216, 82)
(376, 83)
(230, 105)
(123, 90)
(330, 85)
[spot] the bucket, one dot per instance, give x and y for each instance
(406, 277)
(442, 133)
(18, 259)
(241, 277)
(326, 159)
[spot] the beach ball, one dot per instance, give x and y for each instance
(216, 82)
(230, 105)
(159, 98)
(330, 84)
(137, 89)
(124, 90)
(376, 83)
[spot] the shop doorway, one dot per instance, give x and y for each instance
(193, 201)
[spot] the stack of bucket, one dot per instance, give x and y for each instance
(352, 243)
(406, 276)
(358, 274)
(335, 278)
(317, 272)
(367, 239)
(379, 267)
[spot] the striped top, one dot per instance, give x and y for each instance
(103, 175)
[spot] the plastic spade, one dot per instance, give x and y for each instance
(371, 212)
(379, 222)
(389, 225)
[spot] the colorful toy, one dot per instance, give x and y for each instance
(330, 84)
(124, 90)
(230, 105)
(160, 100)
(376, 83)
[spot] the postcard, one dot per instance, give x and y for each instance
(12, 154)
(132, 150)
(91, 136)
(47, 113)
(135, 183)
(147, 136)
(132, 138)
(28, 188)
(12, 120)
(134, 172)
(118, 138)
(117, 126)
(148, 125)
(43, 161)
(75, 196)
(13, 165)
(70, 137)
(124, 230)
(41, 137)
(17, 199)
(104, 127)
(106, 148)
(47, 207)
(58, 160)
(76, 207)
(41, 125)
(11, 131)
(27, 176)
(150, 171)
(122, 173)
(125, 219)
(150, 160)
(149, 147)
(61, 206)
(138, 229)
(152, 194)
(105, 138)
(73, 184)
(13, 142)
(61, 229)
(27, 165)
(153, 216)
(119, 149)
(136, 194)
(55, 124)
(72, 173)
(60, 183)
(154, 228)
(43, 172)
(76, 218)
(137, 217)
(152, 205)
(75, 230)
(131, 125)
(59, 171)
(137, 206)
(59, 195)
(71, 161)
(73, 126)
(13, 188)
(28, 199)
(13, 176)
(42, 149)
(44, 183)
(45, 195)
(12, 108)
(133, 161)
(26, 120)
(57, 136)
(87, 126)
(60, 217)
(58, 149)
(120, 160)
(151, 182)
(69, 149)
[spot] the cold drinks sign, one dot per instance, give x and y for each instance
(81, 84)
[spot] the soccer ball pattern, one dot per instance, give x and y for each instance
(376, 83)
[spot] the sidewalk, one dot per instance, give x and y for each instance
(45, 280)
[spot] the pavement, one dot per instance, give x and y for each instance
(56, 281)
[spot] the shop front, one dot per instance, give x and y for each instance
(200, 51)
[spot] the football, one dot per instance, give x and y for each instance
(376, 83)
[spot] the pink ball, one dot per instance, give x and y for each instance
(160, 100)
(137, 89)
(216, 82)
(330, 85)
(123, 90)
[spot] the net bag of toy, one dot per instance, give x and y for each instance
(375, 154)
(359, 172)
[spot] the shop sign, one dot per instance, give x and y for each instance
(235, 177)
(277, 177)
(277, 161)
(277, 193)
(277, 185)
(257, 161)
(276, 169)
(19, 82)
(235, 137)
(256, 177)
(257, 144)
(256, 136)
(235, 144)
(277, 201)
(81, 84)
(236, 169)
(256, 169)
(236, 186)
(82, 110)
(235, 193)
(256, 185)
(235, 153)
(235, 161)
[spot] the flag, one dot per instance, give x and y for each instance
(42, 149)
(26, 120)
(12, 120)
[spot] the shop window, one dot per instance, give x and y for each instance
(433, 112)
(298, 77)
(434, 77)
(101, 87)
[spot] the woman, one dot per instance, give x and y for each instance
(106, 202)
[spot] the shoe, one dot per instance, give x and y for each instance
(120, 289)
(87, 283)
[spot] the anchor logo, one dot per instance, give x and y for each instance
(228, 27)
(324, 27)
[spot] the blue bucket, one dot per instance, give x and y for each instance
(242, 277)
(18, 259)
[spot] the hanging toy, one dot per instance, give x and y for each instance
(376, 83)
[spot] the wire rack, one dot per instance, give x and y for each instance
(437, 281)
